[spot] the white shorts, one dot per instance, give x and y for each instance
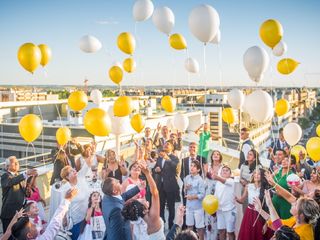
(227, 220)
(195, 218)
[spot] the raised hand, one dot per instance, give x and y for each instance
(257, 204)
(142, 185)
(269, 178)
(158, 127)
(268, 198)
(179, 214)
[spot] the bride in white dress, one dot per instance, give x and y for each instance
(150, 224)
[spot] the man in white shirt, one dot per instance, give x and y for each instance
(24, 229)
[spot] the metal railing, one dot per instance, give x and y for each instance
(45, 157)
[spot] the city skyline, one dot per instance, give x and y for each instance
(61, 24)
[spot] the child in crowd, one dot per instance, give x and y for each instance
(32, 211)
(93, 227)
(226, 214)
(194, 193)
(33, 194)
(252, 226)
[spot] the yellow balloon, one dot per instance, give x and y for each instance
(210, 204)
(287, 65)
(168, 103)
(295, 151)
(129, 65)
(122, 106)
(228, 115)
(63, 135)
(97, 122)
(45, 53)
(318, 130)
(29, 56)
(271, 32)
(126, 43)
(116, 74)
(77, 100)
(282, 107)
(177, 41)
(30, 127)
(313, 148)
(137, 123)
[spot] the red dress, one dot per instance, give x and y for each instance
(251, 216)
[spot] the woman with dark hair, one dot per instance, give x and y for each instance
(139, 209)
(133, 179)
(93, 226)
(249, 166)
(280, 204)
(61, 160)
(252, 225)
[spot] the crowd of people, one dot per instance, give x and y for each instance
(107, 197)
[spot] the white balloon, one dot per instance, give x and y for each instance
(120, 125)
(191, 65)
(235, 98)
(169, 124)
(256, 61)
(292, 133)
(191, 137)
(280, 49)
(181, 122)
(204, 22)
(217, 38)
(142, 10)
(90, 44)
(163, 19)
(294, 179)
(259, 105)
(96, 96)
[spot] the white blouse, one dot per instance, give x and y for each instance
(252, 192)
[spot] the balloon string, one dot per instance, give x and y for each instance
(42, 131)
(27, 150)
(138, 59)
(59, 115)
(273, 120)
(205, 78)
(45, 72)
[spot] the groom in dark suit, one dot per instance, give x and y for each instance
(13, 190)
(117, 227)
(165, 172)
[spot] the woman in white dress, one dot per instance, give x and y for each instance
(136, 209)
(214, 169)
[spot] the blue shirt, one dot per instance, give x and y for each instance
(197, 188)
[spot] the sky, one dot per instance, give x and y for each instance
(60, 24)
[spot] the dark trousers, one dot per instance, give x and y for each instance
(5, 223)
(170, 199)
(75, 230)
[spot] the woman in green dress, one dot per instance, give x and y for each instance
(281, 205)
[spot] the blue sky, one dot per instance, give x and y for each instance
(60, 24)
